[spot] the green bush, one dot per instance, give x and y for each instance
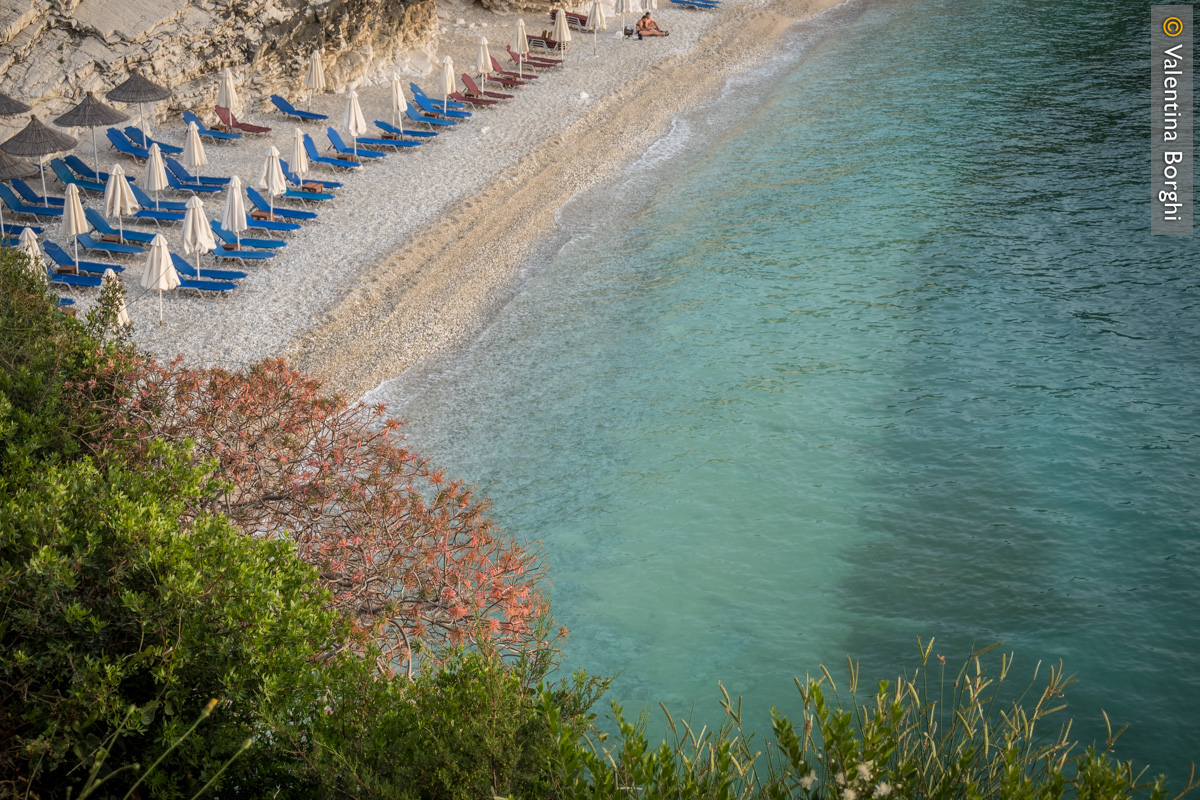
(957, 740)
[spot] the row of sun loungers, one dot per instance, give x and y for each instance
(432, 114)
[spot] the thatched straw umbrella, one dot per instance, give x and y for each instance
(91, 113)
(10, 107)
(38, 140)
(12, 168)
(137, 89)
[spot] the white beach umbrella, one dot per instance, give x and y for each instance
(649, 5)
(271, 179)
(155, 179)
(110, 277)
(562, 33)
(118, 198)
(160, 273)
(596, 21)
(197, 234)
(520, 44)
(73, 221)
(483, 60)
(397, 101)
(28, 244)
(233, 219)
(193, 149)
(623, 7)
(227, 93)
(299, 159)
(446, 81)
(314, 79)
(353, 120)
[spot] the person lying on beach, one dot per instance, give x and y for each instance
(648, 27)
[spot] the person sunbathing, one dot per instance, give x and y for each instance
(648, 27)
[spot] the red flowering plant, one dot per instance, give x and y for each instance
(412, 559)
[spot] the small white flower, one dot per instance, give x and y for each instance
(864, 771)
(840, 779)
(808, 780)
(883, 790)
(848, 794)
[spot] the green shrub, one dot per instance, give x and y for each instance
(958, 740)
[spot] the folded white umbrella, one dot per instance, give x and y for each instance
(596, 21)
(28, 243)
(623, 7)
(193, 149)
(271, 179)
(227, 93)
(73, 221)
(446, 80)
(397, 101)
(155, 179)
(197, 234)
(353, 120)
(299, 160)
(111, 278)
(118, 198)
(314, 79)
(233, 219)
(483, 60)
(520, 45)
(562, 33)
(160, 273)
(649, 5)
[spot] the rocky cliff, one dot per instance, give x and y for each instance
(52, 51)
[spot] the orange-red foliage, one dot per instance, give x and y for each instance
(410, 557)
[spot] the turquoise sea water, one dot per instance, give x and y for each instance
(876, 346)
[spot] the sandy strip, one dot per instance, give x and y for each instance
(422, 247)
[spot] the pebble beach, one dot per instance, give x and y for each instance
(419, 248)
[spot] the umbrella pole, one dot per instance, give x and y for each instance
(42, 169)
(121, 227)
(76, 255)
(95, 154)
(198, 275)
(237, 237)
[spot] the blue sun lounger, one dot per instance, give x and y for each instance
(696, 4)
(15, 230)
(14, 202)
(90, 281)
(292, 111)
(295, 180)
(104, 229)
(229, 239)
(33, 198)
(122, 144)
(142, 140)
(429, 108)
(209, 133)
(417, 116)
(372, 142)
(81, 169)
(311, 148)
(88, 243)
(270, 225)
(335, 139)
(60, 169)
(392, 129)
(147, 202)
(242, 255)
(186, 270)
(449, 105)
(64, 260)
(187, 177)
(195, 188)
(261, 204)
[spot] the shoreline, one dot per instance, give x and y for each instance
(383, 280)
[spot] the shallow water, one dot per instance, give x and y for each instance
(877, 346)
